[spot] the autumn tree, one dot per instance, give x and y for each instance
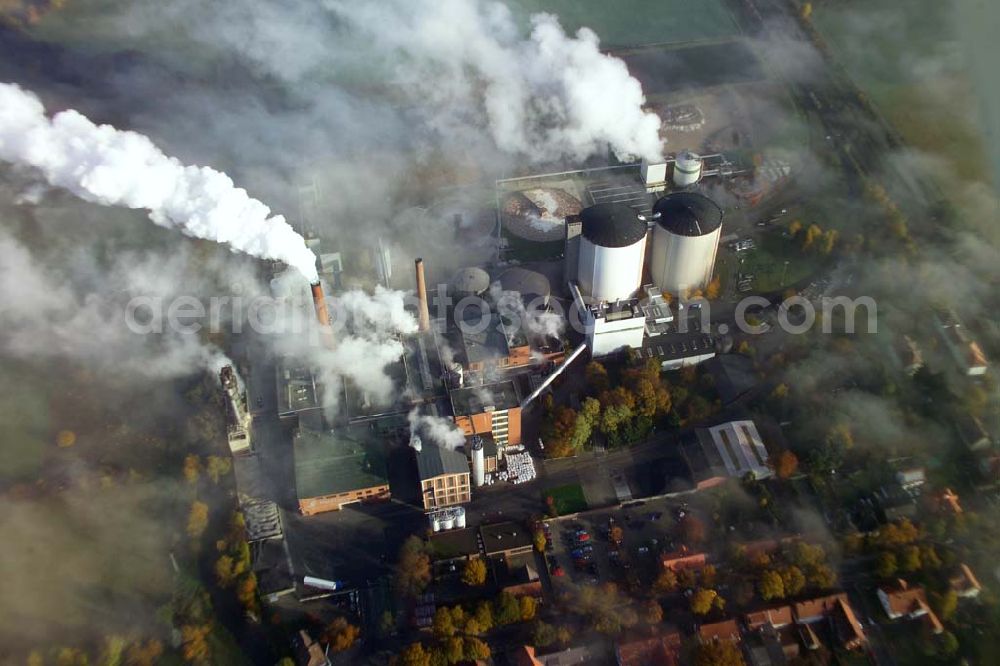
(909, 559)
(341, 635)
(665, 582)
(528, 608)
(813, 233)
(713, 289)
(475, 649)
(225, 573)
(543, 634)
(597, 377)
(216, 467)
(944, 604)
(708, 575)
(194, 643)
(717, 653)
(413, 572)
(771, 586)
(539, 539)
(443, 625)
(413, 654)
(197, 519)
(246, 591)
(484, 616)
(704, 600)
(793, 580)
(652, 612)
(794, 228)
(192, 468)
(143, 653)
(508, 609)
(474, 573)
(786, 464)
(886, 565)
(821, 576)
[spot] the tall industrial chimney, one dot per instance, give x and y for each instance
(322, 314)
(423, 313)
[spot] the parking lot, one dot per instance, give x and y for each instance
(582, 547)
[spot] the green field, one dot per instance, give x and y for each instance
(912, 75)
(567, 499)
(779, 262)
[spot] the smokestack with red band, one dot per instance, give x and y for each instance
(322, 314)
(422, 312)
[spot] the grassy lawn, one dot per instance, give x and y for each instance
(767, 263)
(568, 499)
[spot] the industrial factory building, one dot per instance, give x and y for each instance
(492, 410)
(685, 242)
(337, 468)
(297, 389)
(237, 413)
(444, 475)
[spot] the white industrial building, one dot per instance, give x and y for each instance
(612, 249)
(741, 449)
(610, 326)
(685, 242)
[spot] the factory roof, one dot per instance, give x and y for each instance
(530, 284)
(612, 225)
(470, 280)
(486, 398)
(450, 544)
(504, 537)
(433, 461)
(327, 463)
(688, 214)
(297, 388)
(673, 346)
(482, 344)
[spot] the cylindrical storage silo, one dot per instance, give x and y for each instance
(478, 462)
(685, 241)
(612, 248)
(687, 169)
(470, 281)
(459, 518)
(447, 521)
(435, 523)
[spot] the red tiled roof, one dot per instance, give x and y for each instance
(726, 630)
(656, 651)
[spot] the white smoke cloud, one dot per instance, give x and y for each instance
(534, 322)
(437, 429)
(545, 97)
(44, 317)
(111, 167)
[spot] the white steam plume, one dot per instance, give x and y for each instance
(111, 167)
(547, 97)
(443, 432)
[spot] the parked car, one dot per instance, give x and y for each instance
(557, 571)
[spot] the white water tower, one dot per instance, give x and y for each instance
(687, 169)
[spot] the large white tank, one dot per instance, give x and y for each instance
(612, 248)
(459, 518)
(478, 462)
(687, 169)
(685, 242)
